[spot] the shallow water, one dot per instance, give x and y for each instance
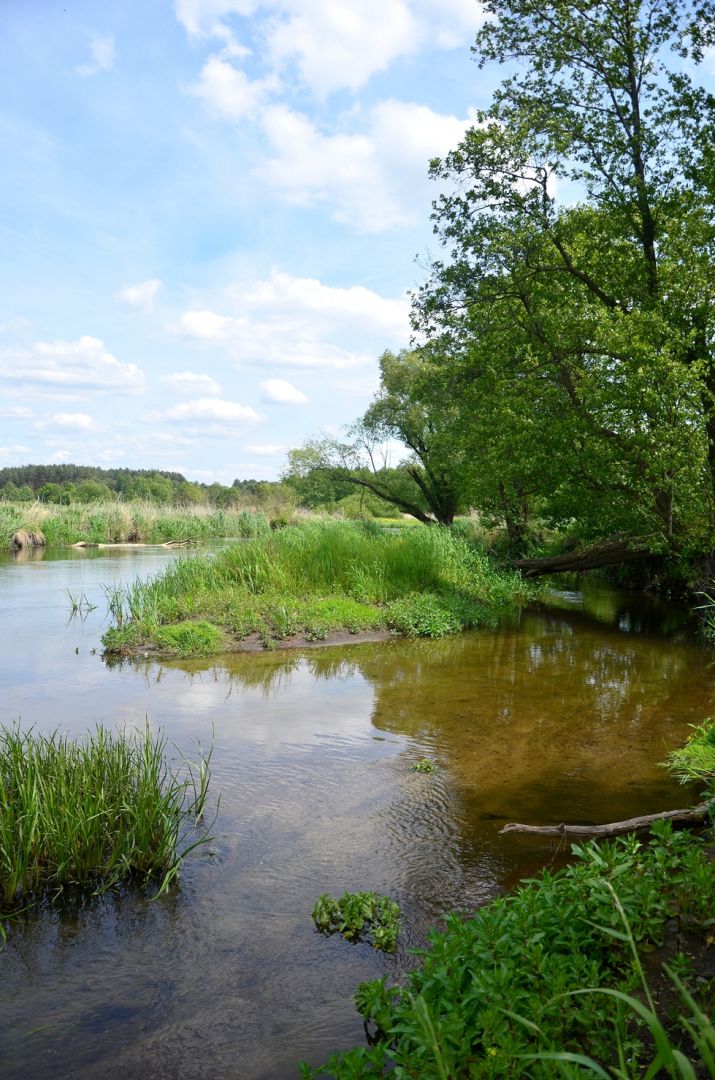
(561, 715)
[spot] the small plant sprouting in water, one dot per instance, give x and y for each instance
(424, 765)
(359, 915)
(80, 604)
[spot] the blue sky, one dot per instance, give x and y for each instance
(210, 215)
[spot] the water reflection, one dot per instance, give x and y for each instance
(561, 715)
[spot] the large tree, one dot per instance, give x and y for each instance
(579, 289)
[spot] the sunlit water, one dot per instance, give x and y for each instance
(563, 715)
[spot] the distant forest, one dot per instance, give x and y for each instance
(88, 483)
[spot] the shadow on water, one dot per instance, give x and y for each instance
(562, 714)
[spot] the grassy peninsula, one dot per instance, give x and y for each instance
(309, 580)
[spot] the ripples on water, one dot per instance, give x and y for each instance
(561, 715)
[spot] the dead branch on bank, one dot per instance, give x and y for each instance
(691, 816)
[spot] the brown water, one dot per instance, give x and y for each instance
(561, 715)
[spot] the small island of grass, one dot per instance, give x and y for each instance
(312, 580)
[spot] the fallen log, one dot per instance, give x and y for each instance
(618, 549)
(690, 816)
(135, 544)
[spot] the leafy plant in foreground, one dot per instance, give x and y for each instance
(359, 915)
(425, 765)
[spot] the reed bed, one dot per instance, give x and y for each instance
(92, 813)
(316, 577)
(119, 522)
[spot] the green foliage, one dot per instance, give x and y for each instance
(695, 760)
(318, 577)
(92, 813)
(431, 615)
(489, 992)
(357, 916)
(425, 765)
(189, 638)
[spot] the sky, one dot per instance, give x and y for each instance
(211, 215)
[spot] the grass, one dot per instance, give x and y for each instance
(544, 981)
(695, 760)
(317, 577)
(120, 522)
(91, 813)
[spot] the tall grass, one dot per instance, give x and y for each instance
(93, 812)
(118, 522)
(319, 576)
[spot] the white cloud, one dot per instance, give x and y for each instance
(17, 412)
(209, 409)
(227, 91)
(338, 45)
(298, 322)
(283, 392)
(83, 364)
(206, 325)
(101, 47)
(192, 382)
(205, 18)
(363, 177)
(79, 421)
(14, 451)
(267, 450)
(61, 455)
(142, 295)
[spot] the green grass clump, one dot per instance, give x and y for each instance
(695, 760)
(122, 522)
(359, 915)
(317, 577)
(190, 638)
(92, 813)
(512, 981)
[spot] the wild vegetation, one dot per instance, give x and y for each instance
(92, 813)
(119, 522)
(311, 579)
(507, 993)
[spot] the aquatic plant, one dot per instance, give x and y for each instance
(93, 812)
(695, 760)
(359, 915)
(425, 765)
(488, 996)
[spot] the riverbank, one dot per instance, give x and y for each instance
(311, 581)
(38, 524)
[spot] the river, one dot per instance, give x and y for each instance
(561, 715)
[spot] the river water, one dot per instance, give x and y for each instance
(561, 715)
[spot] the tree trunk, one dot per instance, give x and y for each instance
(609, 553)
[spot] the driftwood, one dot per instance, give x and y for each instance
(691, 816)
(619, 549)
(130, 544)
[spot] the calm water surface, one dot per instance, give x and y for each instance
(561, 715)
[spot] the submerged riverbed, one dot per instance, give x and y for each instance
(561, 715)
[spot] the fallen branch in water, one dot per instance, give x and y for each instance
(690, 816)
(131, 544)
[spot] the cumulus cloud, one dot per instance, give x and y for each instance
(335, 46)
(14, 451)
(192, 382)
(101, 48)
(209, 409)
(267, 449)
(282, 392)
(228, 91)
(361, 176)
(289, 321)
(143, 295)
(84, 364)
(79, 421)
